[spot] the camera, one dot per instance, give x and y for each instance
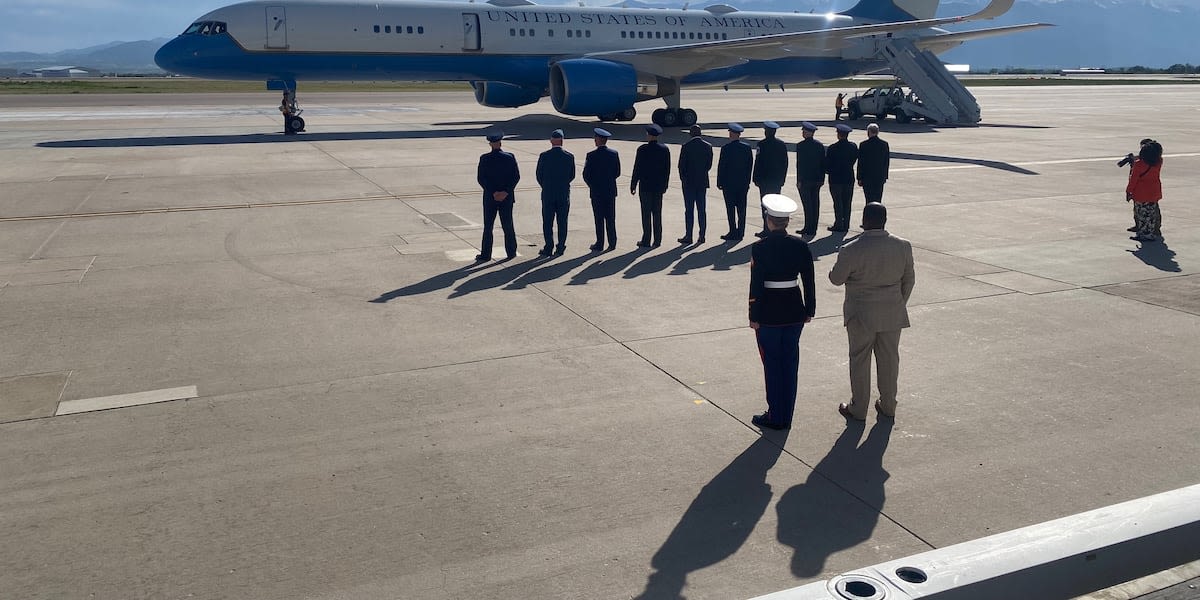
(1128, 160)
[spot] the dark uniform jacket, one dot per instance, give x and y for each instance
(810, 162)
(781, 257)
(695, 161)
(839, 162)
(771, 165)
(555, 172)
(874, 156)
(735, 166)
(498, 172)
(601, 169)
(651, 168)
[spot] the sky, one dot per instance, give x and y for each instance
(54, 25)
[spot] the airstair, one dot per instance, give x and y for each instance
(942, 97)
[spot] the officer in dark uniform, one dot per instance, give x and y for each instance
(778, 309)
(601, 168)
(498, 176)
(555, 172)
(652, 170)
(734, 169)
(810, 176)
(874, 159)
(839, 164)
(770, 166)
(695, 161)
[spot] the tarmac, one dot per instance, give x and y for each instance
(330, 400)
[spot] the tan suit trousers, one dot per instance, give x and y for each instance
(885, 345)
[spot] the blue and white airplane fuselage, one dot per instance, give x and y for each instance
(591, 61)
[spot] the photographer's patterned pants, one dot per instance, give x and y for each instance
(1148, 218)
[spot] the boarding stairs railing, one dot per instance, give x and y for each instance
(943, 97)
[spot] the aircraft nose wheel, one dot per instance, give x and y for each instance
(293, 124)
(668, 117)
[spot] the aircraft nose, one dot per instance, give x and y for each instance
(167, 57)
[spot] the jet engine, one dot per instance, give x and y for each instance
(498, 94)
(592, 87)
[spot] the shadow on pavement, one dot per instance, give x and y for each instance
(1157, 255)
(433, 284)
(992, 164)
(656, 263)
(718, 521)
(606, 268)
(814, 517)
(699, 260)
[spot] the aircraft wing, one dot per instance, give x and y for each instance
(680, 60)
(962, 36)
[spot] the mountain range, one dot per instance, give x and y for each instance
(1088, 33)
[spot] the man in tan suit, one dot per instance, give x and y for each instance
(877, 268)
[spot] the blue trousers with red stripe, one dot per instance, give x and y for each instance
(779, 347)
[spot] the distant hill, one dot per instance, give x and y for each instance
(118, 57)
(1089, 33)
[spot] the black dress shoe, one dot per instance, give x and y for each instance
(765, 421)
(1134, 228)
(727, 236)
(684, 240)
(560, 250)
(612, 247)
(544, 251)
(844, 410)
(760, 234)
(655, 244)
(700, 240)
(482, 258)
(642, 244)
(596, 247)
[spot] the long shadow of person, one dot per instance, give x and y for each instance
(729, 260)
(548, 272)
(606, 268)
(699, 260)
(828, 244)
(815, 518)
(718, 521)
(655, 263)
(495, 278)
(433, 284)
(1157, 255)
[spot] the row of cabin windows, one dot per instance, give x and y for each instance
(549, 33)
(641, 35)
(400, 29)
(674, 35)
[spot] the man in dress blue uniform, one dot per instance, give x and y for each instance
(695, 161)
(770, 166)
(810, 176)
(734, 169)
(874, 159)
(601, 168)
(839, 163)
(498, 176)
(778, 309)
(555, 172)
(652, 170)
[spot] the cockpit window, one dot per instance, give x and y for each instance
(206, 28)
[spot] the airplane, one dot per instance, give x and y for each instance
(591, 61)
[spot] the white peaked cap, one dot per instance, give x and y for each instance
(778, 205)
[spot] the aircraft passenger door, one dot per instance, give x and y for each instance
(276, 27)
(471, 38)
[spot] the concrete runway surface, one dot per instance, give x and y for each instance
(334, 402)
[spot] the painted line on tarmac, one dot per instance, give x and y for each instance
(173, 209)
(71, 407)
(1066, 161)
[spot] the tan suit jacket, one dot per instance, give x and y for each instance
(877, 269)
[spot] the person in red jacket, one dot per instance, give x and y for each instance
(1145, 190)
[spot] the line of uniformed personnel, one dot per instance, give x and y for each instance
(738, 165)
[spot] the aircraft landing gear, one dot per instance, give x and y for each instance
(670, 117)
(292, 122)
(625, 115)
